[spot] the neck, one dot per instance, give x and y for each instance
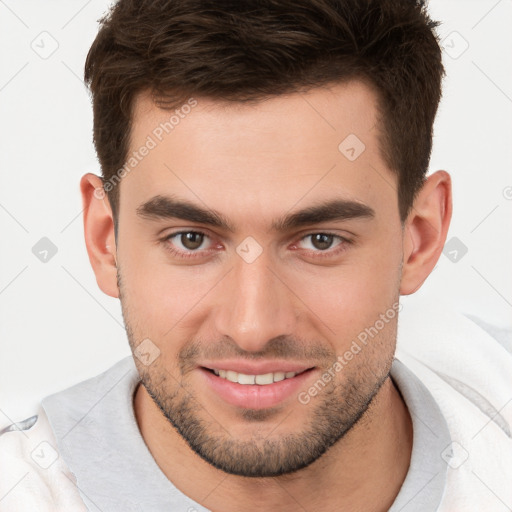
(362, 471)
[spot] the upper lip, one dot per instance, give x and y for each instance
(252, 368)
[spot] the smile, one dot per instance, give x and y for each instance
(255, 391)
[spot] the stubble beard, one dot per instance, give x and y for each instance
(339, 406)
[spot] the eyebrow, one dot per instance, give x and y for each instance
(169, 207)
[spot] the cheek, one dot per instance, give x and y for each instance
(352, 296)
(163, 298)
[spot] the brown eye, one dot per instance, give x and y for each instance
(191, 240)
(322, 241)
(190, 244)
(324, 244)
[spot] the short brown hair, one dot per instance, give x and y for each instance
(246, 50)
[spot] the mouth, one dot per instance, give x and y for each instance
(255, 391)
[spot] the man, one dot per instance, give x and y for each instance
(263, 205)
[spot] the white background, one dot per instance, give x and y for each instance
(57, 327)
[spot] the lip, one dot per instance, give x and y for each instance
(255, 396)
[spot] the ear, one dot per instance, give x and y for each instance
(425, 231)
(99, 233)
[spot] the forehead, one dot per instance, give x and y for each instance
(264, 157)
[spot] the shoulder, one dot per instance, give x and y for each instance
(469, 374)
(34, 476)
(31, 451)
(73, 406)
(463, 351)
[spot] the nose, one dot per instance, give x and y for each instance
(256, 304)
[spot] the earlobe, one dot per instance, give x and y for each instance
(99, 233)
(425, 231)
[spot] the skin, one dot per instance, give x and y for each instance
(254, 164)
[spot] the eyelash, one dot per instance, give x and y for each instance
(341, 247)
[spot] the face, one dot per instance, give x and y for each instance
(261, 244)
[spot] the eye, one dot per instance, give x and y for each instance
(323, 242)
(191, 240)
(185, 243)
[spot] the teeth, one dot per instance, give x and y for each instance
(262, 380)
(246, 379)
(266, 378)
(232, 376)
